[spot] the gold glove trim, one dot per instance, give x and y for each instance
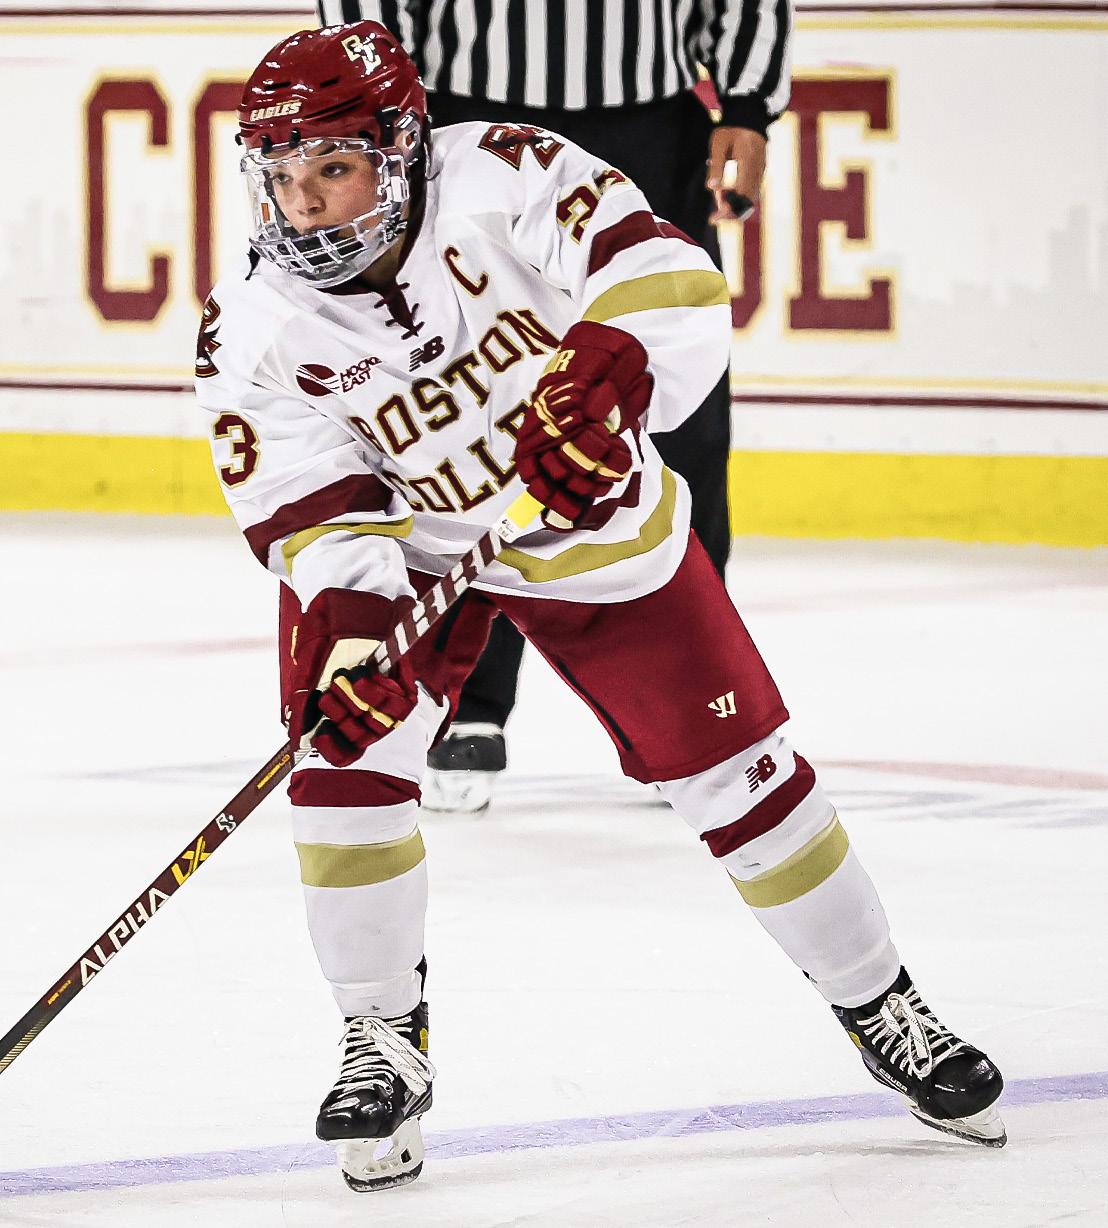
(575, 454)
(300, 541)
(544, 404)
(358, 865)
(690, 288)
(809, 866)
(588, 556)
(347, 688)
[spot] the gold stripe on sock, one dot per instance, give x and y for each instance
(797, 875)
(358, 865)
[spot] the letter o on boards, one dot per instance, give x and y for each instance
(217, 97)
(510, 352)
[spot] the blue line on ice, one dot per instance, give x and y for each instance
(525, 1136)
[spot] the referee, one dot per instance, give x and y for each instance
(616, 77)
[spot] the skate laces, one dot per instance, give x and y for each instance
(375, 1053)
(906, 1033)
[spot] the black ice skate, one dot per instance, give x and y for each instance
(949, 1085)
(383, 1089)
(463, 768)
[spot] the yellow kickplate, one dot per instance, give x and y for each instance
(1052, 500)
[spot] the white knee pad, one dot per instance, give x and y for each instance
(752, 809)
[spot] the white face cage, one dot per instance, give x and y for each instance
(330, 255)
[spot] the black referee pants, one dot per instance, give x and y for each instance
(663, 147)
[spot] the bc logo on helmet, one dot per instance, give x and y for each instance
(357, 49)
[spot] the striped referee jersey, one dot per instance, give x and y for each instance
(577, 54)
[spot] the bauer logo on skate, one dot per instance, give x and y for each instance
(121, 932)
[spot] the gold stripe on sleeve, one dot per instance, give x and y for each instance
(358, 865)
(688, 288)
(303, 539)
(587, 556)
(802, 872)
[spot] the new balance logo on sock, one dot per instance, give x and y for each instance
(724, 706)
(757, 775)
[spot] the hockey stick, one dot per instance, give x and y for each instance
(434, 603)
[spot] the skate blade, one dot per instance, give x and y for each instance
(371, 1164)
(457, 792)
(985, 1127)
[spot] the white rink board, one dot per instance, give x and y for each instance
(984, 205)
(986, 210)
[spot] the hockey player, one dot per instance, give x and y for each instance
(419, 321)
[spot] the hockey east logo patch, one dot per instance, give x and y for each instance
(319, 381)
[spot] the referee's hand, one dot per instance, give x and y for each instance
(747, 150)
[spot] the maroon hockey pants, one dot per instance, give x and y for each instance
(673, 677)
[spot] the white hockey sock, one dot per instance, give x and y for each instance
(764, 815)
(822, 909)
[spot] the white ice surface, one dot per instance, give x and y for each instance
(586, 958)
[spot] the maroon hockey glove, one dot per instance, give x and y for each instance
(340, 706)
(568, 451)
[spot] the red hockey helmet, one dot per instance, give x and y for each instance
(343, 90)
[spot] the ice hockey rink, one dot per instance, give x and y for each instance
(618, 1043)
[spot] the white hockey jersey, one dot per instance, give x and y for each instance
(359, 435)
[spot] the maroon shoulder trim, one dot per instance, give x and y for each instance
(357, 493)
(350, 787)
(767, 815)
(629, 231)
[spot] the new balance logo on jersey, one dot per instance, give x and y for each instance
(426, 353)
(760, 772)
(724, 706)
